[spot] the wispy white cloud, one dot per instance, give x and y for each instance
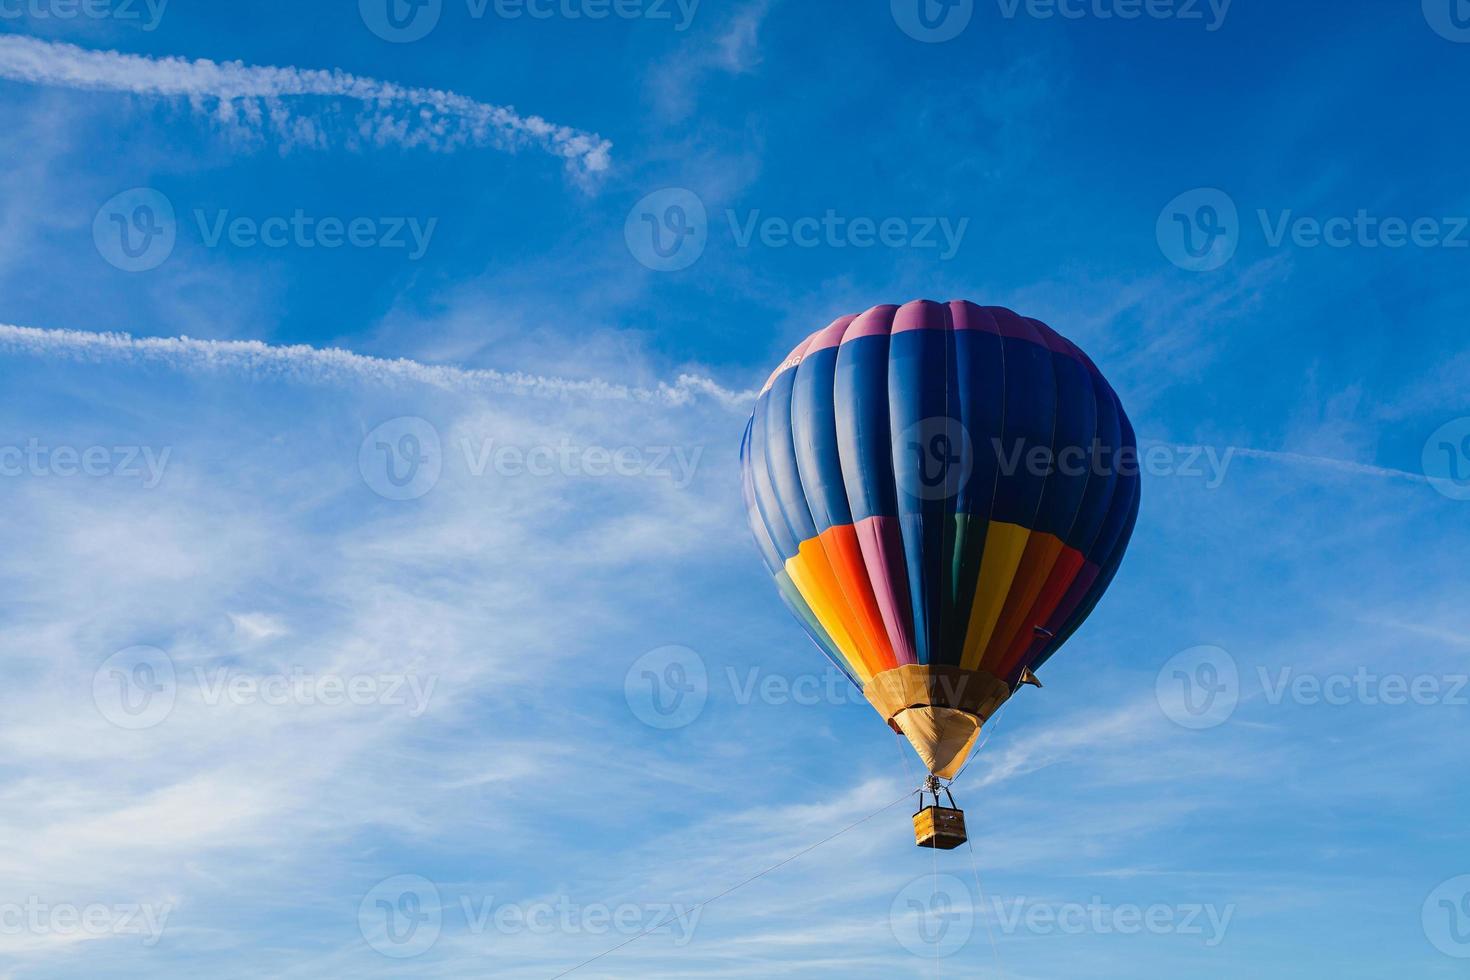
(300, 362)
(1340, 465)
(253, 99)
(735, 50)
(466, 590)
(1220, 458)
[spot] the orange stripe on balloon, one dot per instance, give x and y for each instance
(1063, 572)
(1071, 599)
(845, 555)
(818, 582)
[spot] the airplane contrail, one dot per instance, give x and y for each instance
(334, 365)
(256, 99)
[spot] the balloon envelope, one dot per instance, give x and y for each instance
(942, 492)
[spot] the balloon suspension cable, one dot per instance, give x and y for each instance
(934, 785)
(984, 741)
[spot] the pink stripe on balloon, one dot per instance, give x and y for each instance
(968, 316)
(921, 314)
(873, 323)
(882, 542)
(792, 360)
(829, 336)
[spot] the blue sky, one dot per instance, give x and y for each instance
(355, 495)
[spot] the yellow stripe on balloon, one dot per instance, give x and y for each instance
(1036, 564)
(1004, 546)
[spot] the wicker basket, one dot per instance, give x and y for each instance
(939, 827)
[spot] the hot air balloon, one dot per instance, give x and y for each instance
(943, 492)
